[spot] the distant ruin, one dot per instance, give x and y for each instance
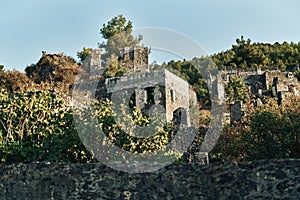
(274, 83)
(142, 88)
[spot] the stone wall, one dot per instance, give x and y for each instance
(254, 180)
(283, 79)
(178, 95)
(265, 78)
(134, 58)
(272, 83)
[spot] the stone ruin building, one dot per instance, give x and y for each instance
(143, 88)
(272, 83)
(147, 89)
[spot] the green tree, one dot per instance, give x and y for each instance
(236, 89)
(248, 55)
(269, 131)
(116, 25)
(113, 68)
(82, 55)
(38, 126)
(57, 70)
(15, 81)
(245, 54)
(118, 34)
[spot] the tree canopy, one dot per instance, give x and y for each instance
(82, 55)
(58, 70)
(270, 131)
(14, 81)
(118, 34)
(245, 54)
(236, 90)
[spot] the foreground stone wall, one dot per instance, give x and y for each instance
(256, 180)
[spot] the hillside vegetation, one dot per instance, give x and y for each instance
(36, 119)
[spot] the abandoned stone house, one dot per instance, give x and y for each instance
(273, 83)
(154, 88)
(269, 82)
(142, 88)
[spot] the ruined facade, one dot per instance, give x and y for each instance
(94, 65)
(154, 88)
(134, 58)
(272, 83)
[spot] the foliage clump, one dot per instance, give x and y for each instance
(245, 54)
(270, 131)
(38, 126)
(236, 90)
(57, 70)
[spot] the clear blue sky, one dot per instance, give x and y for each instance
(29, 27)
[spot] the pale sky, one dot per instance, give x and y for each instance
(29, 27)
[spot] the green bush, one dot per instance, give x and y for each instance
(270, 131)
(38, 126)
(122, 133)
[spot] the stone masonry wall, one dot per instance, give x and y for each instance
(254, 180)
(134, 58)
(284, 79)
(181, 96)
